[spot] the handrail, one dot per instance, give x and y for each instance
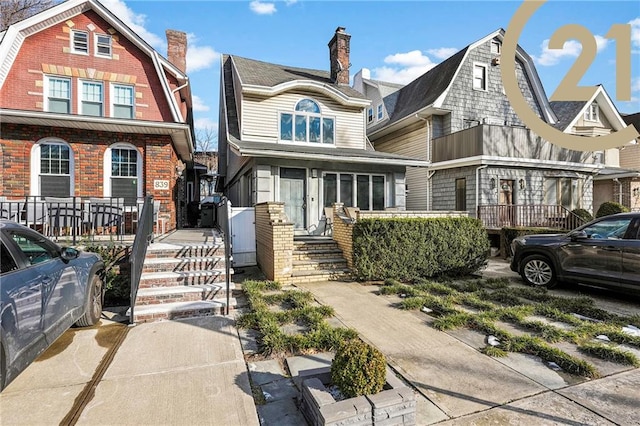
(144, 235)
(528, 215)
(224, 225)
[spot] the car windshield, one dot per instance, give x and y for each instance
(608, 228)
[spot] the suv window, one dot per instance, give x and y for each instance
(7, 262)
(608, 229)
(36, 249)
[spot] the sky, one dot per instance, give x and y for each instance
(396, 40)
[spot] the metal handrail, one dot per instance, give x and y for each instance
(223, 216)
(144, 235)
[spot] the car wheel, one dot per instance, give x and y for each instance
(93, 305)
(537, 270)
(3, 368)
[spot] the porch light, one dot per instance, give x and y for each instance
(493, 183)
(522, 184)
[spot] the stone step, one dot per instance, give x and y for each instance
(316, 254)
(305, 276)
(176, 310)
(157, 295)
(160, 250)
(329, 264)
(167, 264)
(182, 278)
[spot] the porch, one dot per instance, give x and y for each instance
(497, 216)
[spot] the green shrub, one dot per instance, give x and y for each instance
(583, 214)
(407, 249)
(508, 234)
(117, 273)
(358, 369)
(609, 208)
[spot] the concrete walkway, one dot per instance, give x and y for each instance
(464, 384)
(166, 373)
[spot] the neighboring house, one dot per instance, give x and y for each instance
(483, 157)
(89, 109)
(297, 136)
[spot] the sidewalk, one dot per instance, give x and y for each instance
(459, 381)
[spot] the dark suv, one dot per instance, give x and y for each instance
(604, 252)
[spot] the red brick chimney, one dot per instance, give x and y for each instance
(339, 56)
(177, 49)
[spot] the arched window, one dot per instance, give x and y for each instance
(306, 124)
(52, 168)
(123, 172)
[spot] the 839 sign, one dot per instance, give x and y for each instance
(568, 90)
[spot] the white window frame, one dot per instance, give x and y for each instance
(592, 113)
(307, 115)
(379, 112)
(354, 187)
(106, 168)
(73, 45)
(45, 90)
(369, 115)
(34, 189)
(96, 51)
(485, 78)
(112, 99)
(495, 47)
(80, 94)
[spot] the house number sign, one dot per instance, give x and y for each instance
(568, 90)
(160, 184)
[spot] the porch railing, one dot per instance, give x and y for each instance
(528, 215)
(71, 218)
(223, 223)
(144, 235)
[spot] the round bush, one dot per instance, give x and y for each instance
(609, 208)
(358, 369)
(583, 214)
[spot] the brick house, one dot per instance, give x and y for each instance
(297, 136)
(483, 158)
(89, 109)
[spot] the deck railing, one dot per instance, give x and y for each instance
(529, 215)
(144, 235)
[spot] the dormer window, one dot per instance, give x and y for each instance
(80, 42)
(591, 113)
(380, 115)
(370, 115)
(306, 124)
(103, 45)
(495, 47)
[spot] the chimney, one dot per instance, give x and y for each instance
(339, 56)
(177, 49)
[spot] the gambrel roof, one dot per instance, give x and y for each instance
(11, 42)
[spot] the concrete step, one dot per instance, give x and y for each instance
(182, 278)
(159, 250)
(176, 310)
(157, 295)
(167, 264)
(329, 264)
(316, 254)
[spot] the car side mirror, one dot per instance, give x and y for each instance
(578, 235)
(69, 253)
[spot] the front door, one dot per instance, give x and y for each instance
(293, 195)
(506, 202)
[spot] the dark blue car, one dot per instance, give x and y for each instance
(44, 289)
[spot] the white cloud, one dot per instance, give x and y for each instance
(404, 67)
(262, 8)
(135, 21)
(635, 32)
(205, 123)
(442, 52)
(198, 104)
(570, 49)
(290, 2)
(199, 57)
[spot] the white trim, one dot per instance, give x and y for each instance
(34, 166)
(379, 112)
(606, 107)
(316, 86)
(485, 76)
(45, 91)
(72, 42)
(112, 98)
(515, 162)
(96, 52)
(106, 164)
(81, 83)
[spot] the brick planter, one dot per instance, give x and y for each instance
(396, 405)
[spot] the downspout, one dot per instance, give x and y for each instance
(478, 188)
(616, 180)
(429, 174)
(181, 87)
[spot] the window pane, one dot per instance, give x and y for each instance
(363, 191)
(44, 166)
(92, 92)
(123, 95)
(565, 193)
(550, 192)
(327, 130)
(90, 108)
(330, 185)
(80, 41)
(346, 190)
(378, 192)
(122, 111)
(380, 112)
(285, 127)
(461, 194)
(104, 45)
(59, 105)
(64, 167)
(301, 128)
(314, 129)
(308, 105)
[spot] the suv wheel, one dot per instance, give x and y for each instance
(537, 270)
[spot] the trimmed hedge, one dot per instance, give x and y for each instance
(409, 248)
(583, 214)
(507, 235)
(358, 369)
(609, 208)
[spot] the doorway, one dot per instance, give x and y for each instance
(293, 195)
